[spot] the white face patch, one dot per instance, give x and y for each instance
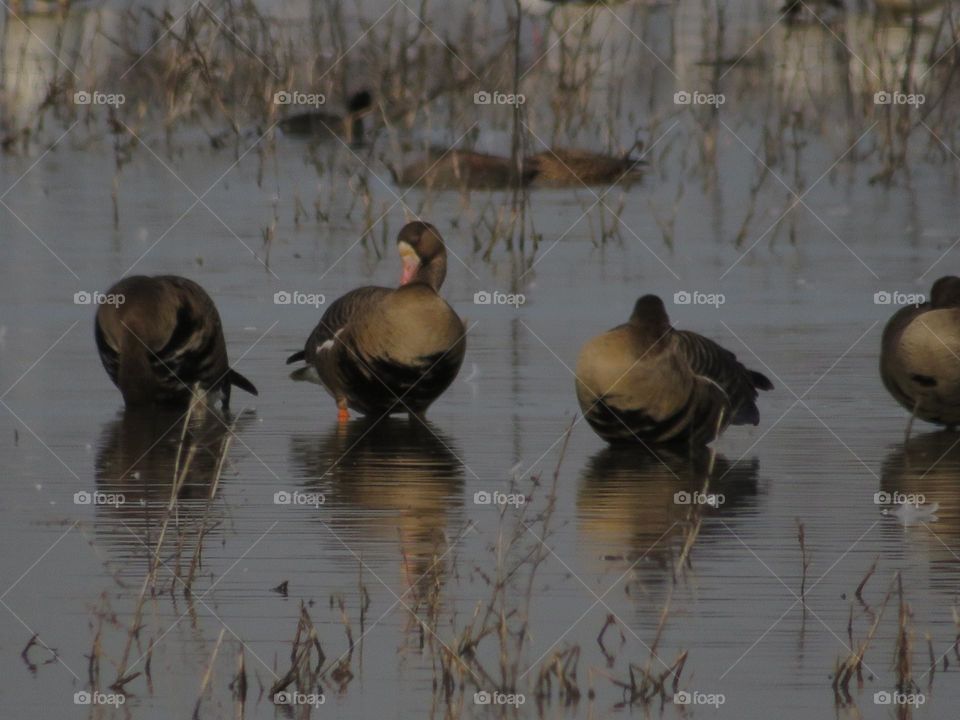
(406, 251)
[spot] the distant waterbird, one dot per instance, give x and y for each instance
(326, 125)
(544, 7)
(452, 169)
(564, 167)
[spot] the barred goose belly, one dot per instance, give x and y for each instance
(920, 355)
(644, 382)
(381, 350)
(160, 339)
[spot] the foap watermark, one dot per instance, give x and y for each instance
(685, 97)
(695, 297)
(882, 97)
(85, 697)
(485, 497)
(898, 498)
(695, 697)
(682, 497)
(291, 697)
(295, 97)
(82, 297)
(883, 697)
(95, 97)
(99, 498)
(297, 497)
(295, 297)
(496, 297)
(498, 98)
(483, 697)
(895, 297)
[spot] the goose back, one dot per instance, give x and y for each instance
(562, 167)
(920, 361)
(708, 359)
(460, 169)
(162, 340)
(635, 391)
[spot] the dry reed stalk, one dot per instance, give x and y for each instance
(208, 673)
(845, 670)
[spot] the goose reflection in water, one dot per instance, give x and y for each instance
(139, 458)
(385, 482)
(634, 506)
(920, 488)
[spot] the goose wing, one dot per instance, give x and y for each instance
(336, 318)
(720, 366)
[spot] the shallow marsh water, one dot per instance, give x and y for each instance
(401, 524)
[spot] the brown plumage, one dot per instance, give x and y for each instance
(645, 382)
(381, 350)
(442, 169)
(163, 339)
(561, 167)
(322, 125)
(920, 355)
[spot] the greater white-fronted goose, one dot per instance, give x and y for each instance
(543, 7)
(563, 167)
(444, 169)
(899, 9)
(920, 355)
(794, 9)
(381, 350)
(645, 382)
(318, 124)
(162, 340)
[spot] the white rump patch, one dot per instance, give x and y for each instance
(307, 373)
(329, 343)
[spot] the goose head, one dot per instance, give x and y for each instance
(650, 316)
(946, 292)
(423, 254)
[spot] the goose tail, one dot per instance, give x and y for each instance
(760, 381)
(235, 378)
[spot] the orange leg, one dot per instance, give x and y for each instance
(343, 415)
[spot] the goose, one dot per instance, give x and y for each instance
(381, 350)
(546, 7)
(323, 124)
(920, 356)
(899, 9)
(793, 10)
(563, 167)
(645, 382)
(446, 169)
(160, 338)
